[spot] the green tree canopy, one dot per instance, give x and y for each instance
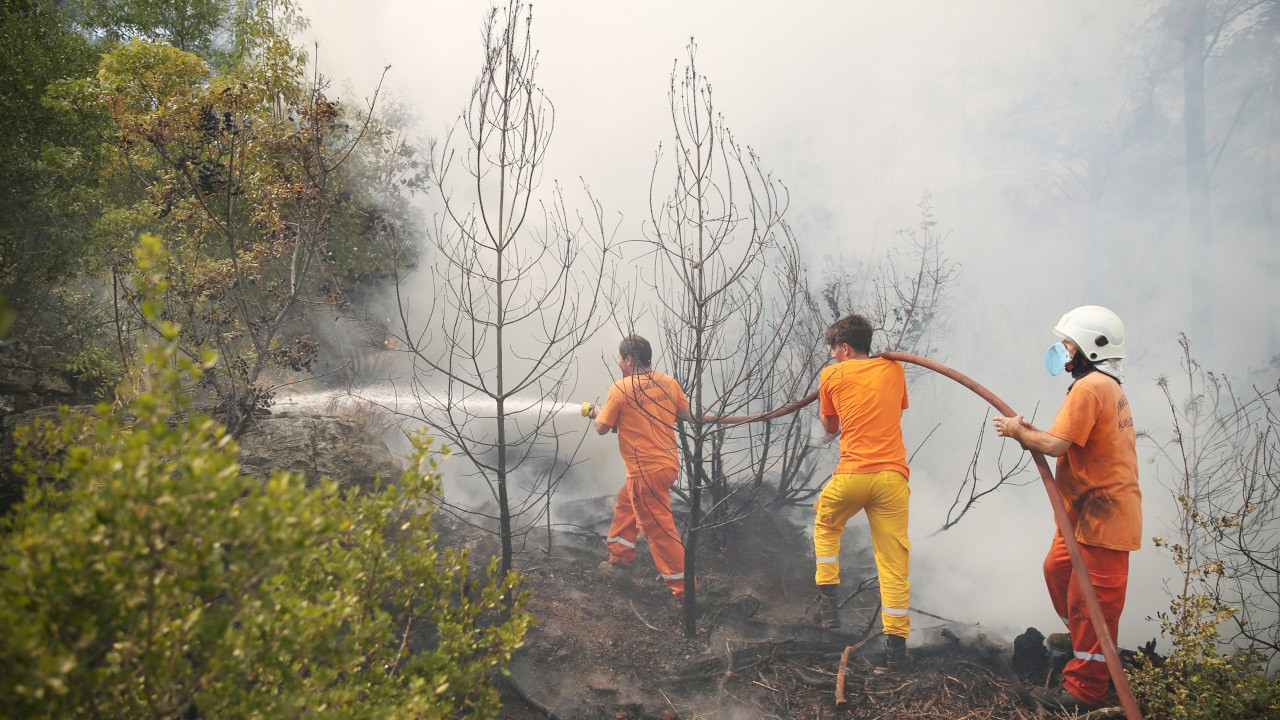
(47, 154)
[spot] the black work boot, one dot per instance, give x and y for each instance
(895, 652)
(828, 607)
(1060, 642)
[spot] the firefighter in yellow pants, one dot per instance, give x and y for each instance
(862, 399)
(884, 496)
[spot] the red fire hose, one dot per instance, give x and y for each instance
(757, 417)
(1127, 700)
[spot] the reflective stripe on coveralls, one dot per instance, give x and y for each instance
(644, 506)
(1096, 617)
(1085, 675)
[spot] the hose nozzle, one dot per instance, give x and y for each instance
(587, 408)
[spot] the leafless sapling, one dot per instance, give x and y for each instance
(516, 282)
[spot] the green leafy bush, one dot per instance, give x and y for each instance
(1198, 681)
(94, 369)
(143, 576)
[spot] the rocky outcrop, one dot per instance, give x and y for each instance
(319, 445)
(31, 379)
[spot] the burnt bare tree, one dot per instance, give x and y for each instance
(974, 487)
(1221, 462)
(905, 298)
(729, 294)
(517, 277)
(742, 329)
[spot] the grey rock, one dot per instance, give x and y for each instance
(17, 378)
(44, 356)
(318, 445)
(53, 384)
(24, 386)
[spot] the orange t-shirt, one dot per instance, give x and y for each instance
(1098, 475)
(868, 395)
(643, 408)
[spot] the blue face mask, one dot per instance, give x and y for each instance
(1056, 358)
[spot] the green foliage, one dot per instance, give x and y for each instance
(198, 121)
(95, 369)
(262, 188)
(71, 317)
(6, 317)
(48, 155)
(218, 31)
(192, 25)
(1198, 681)
(145, 577)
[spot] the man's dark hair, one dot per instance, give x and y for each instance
(636, 348)
(854, 330)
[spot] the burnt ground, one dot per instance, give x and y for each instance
(609, 649)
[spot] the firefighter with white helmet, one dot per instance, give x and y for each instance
(1093, 438)
(1098, 336)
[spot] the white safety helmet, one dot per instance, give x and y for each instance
(1097, 331)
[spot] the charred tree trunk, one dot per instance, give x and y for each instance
(518, 283)
(697, 477)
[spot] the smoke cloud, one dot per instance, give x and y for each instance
(1049, 137)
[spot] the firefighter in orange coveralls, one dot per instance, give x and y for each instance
(1093, 438)
(643, 406)
(862, 398)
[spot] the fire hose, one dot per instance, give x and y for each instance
(1127, 700)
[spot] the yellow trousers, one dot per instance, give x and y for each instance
(885, 496)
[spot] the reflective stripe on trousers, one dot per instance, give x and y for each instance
(885, 496)
(1086, 675)
(644, 506)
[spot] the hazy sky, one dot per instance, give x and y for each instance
(859, 108)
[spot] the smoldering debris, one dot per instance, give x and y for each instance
(608, 648)
(805, 671)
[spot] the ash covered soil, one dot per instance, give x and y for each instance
(608, 648)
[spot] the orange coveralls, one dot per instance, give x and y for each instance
(643, 407)
(1098, 479)
(868, 395)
